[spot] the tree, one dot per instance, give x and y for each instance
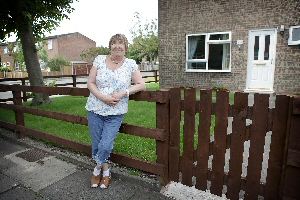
(56, 63)
(145, 39)
(29, 20)
(90, 54)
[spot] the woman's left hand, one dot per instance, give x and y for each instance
(119, 95)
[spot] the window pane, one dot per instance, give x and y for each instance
(256, 47)
(267, 47)
(219, 56)
(49, 44)
(296, 34)
(196, 65)
(196, 47)
(219, 36)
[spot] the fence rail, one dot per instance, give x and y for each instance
(189, 161)
(63, 80)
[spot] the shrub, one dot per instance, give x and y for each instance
(57, 62)
(5, 69)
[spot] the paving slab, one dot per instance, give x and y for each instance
(19, 193)
(118, 189)
(38, 175)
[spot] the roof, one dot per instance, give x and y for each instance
(57, 36)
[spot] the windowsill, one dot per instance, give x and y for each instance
(198, 70)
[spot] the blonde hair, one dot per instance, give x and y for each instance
(121, 38)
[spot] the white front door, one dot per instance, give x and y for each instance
(261, 60)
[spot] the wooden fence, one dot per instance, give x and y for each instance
(189, 164)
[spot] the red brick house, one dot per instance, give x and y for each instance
(68, 45)
(5, 56)
(248, 45)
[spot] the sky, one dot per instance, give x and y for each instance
(100, 19)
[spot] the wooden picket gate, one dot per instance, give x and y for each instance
(193, 162)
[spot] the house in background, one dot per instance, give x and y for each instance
(6, 58)
(69, 46)
(251, 46)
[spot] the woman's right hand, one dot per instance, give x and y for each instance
(110, 100)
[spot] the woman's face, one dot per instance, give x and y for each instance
(117, 48)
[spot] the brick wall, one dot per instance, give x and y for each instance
(6, 57)
(176, 18)
(70, 45)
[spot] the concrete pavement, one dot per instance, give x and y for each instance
(29, 170)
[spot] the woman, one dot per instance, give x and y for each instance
(109, 83)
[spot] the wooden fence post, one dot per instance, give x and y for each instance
(219, 148)
(156, 76)
(238, 138)
(24, 93)
(205, 108)
(257, 141)
(17, 99)
(188, 135)
(174, 147)
(74, 80)
(162, 147)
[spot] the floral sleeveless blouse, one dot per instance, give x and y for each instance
(109, 81)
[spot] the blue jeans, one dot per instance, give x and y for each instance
(103, 131)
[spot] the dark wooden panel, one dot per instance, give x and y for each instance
(55, 139)
(296, 105)
(174, 148)
(188, 135)
(48, 90)
(278, 138)
(46, 113)
(293, 158)
(219, 148)
(294, 137)
(238, 137)
(203, 139)
(151, 96)
(152, 133)
(291, 187)
(257, 141)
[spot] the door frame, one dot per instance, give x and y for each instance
(272, 71)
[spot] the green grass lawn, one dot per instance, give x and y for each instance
(140, 113)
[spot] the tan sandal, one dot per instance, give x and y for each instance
(105, 182)
(95, 181)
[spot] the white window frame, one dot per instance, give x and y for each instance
(207, 42)
(5, 50)
(7, 63)
(16, 48)
(50, 44)
(290, 41)
(18, 67)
